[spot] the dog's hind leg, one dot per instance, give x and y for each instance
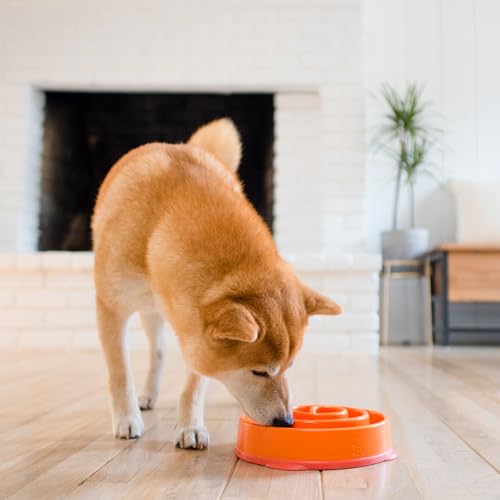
(190, 430)
(153, 326)
(127, 419)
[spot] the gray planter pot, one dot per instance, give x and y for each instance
(405, 243)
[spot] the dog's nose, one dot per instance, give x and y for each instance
(283, 422)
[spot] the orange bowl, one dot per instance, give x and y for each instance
(322, 437)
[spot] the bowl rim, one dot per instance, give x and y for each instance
(383, 421)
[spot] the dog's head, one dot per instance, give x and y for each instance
(252, 339)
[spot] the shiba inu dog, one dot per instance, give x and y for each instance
(176, 239)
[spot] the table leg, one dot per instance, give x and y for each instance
(446, 319)
(386, 298)
(428, 300)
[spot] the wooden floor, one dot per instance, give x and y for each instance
(444, 407)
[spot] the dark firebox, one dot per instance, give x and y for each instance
(85, 133)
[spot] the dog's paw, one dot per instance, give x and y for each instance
(128, 426)
(195, 438)
(147, 401)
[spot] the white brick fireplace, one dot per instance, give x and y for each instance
(308, 54)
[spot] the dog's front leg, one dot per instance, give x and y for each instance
(190, 430)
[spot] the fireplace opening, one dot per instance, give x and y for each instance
(86, 133)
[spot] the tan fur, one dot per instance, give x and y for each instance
(173, 233)
(220, 138)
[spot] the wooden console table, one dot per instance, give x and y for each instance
(463, 274)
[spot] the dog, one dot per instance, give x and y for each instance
(176, 239)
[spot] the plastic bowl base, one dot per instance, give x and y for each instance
(311, 465)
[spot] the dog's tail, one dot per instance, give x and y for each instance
(221, 138)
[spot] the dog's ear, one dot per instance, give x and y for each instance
(221, 138)
(316, 303)
(232, 321)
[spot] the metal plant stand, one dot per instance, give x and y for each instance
(405, 269)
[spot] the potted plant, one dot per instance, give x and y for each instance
(406, 138)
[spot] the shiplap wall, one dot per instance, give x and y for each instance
(453, 47)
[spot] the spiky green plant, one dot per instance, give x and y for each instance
(407, 138)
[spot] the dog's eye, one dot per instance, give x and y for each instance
(260, 374)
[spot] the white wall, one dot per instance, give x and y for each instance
(307, 52)
(453, 47)
(290, 47)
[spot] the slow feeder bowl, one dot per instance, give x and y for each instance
(322, 437)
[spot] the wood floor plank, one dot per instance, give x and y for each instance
(441, 464)
(443, 404)
(87, 458)
(355, 381)
(41, 402)
(30, 462)
(389, 480)
(384, 389)
(255, 482)
(154, 468)
(33, 453)
(479, 372)
(100, 454)
(465, 405)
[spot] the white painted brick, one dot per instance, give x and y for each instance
(343, 299)
(56, 260)
(310, 262)
(358, 282)
(294, 101)
(365, 343)
(339, 262)
(351, 222)
(82, 261)
(8, 339)
(314, 280)
(341, 205)
(85, 299)
(75, 280)
(368, 262)
(7, 298)
(137, 340)
(348, 239)
(29, 261)
(86, 339)
(41, 299)
(364, 302)
(34, 338)
(19, 280)
(22, 318)
(315, 324)
(326, 342)
(10, 200)
(70, 318)
(355, 322)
